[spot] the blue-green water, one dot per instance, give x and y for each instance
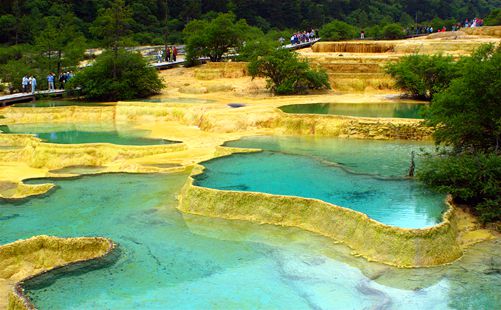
(173, 261)
(387, 109)
(396, 202)
(380, 158)
(58, 103)
(74, 134)
(176, 100)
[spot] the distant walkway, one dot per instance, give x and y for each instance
(9, 99)
(19, 97)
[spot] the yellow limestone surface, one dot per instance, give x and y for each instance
(26, 258)
(368, 238)
(203, 128)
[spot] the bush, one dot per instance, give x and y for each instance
(393, 31)
(470, 179)
(467, 115)
(287, 74)
(494, 18)
(337, 30)
(422, 76)
(216, 37)
(127, 76)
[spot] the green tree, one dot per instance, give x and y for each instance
(422, 75)
(133, 78)
(286, 73)
(60, 44)
(337, 30)
(466, 117)
(113, 27)
(494, 18)
(393, 31)
(215, 38)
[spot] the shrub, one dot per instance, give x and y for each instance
(287, 74)
(494, 18)
(470, 179)
(393, 31)
(422, 76)
(216, 37)
(337, 30)
(133, 78)
(467, 115)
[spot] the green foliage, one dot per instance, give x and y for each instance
(22, 20)
(216, 37)
(467, 115)
(113, 25)
(422, 75)
(474, 180)
(337, 30)
(494, 18)
(286, 73)
(393, 31)
(134, 78)
(60, 44)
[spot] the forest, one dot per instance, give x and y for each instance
(22, 21)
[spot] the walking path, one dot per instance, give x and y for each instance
(9, 99)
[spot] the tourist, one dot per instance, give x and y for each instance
(33, 82)
(174, 53)
(362, 35)
(25, 83)
(62, 80)
(159, 56)
(167, 54)
(50, 82)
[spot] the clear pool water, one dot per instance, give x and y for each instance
(380, 158)
(77, 134)
(396, 202)
(173, 261)
(59, 103)
(387, 109)
(176, 100)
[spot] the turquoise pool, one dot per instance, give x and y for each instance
(77, 134)
(172, 261)
(348, 173)
(59, 103)
(379, 158)
(386, 109)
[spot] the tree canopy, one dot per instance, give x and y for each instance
(215, 37)
(466, 117)
(152, 20)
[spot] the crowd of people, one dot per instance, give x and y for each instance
(170, 54)
(29, 82)
(476, 22)
(300, 37)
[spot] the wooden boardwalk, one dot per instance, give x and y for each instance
(20, 97)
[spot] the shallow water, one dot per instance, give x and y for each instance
(381, 158)
(396, 202)
(88, 133)
(58, 103)
(387, 109)
(362, 175)
(176, 100)
(171, 261)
